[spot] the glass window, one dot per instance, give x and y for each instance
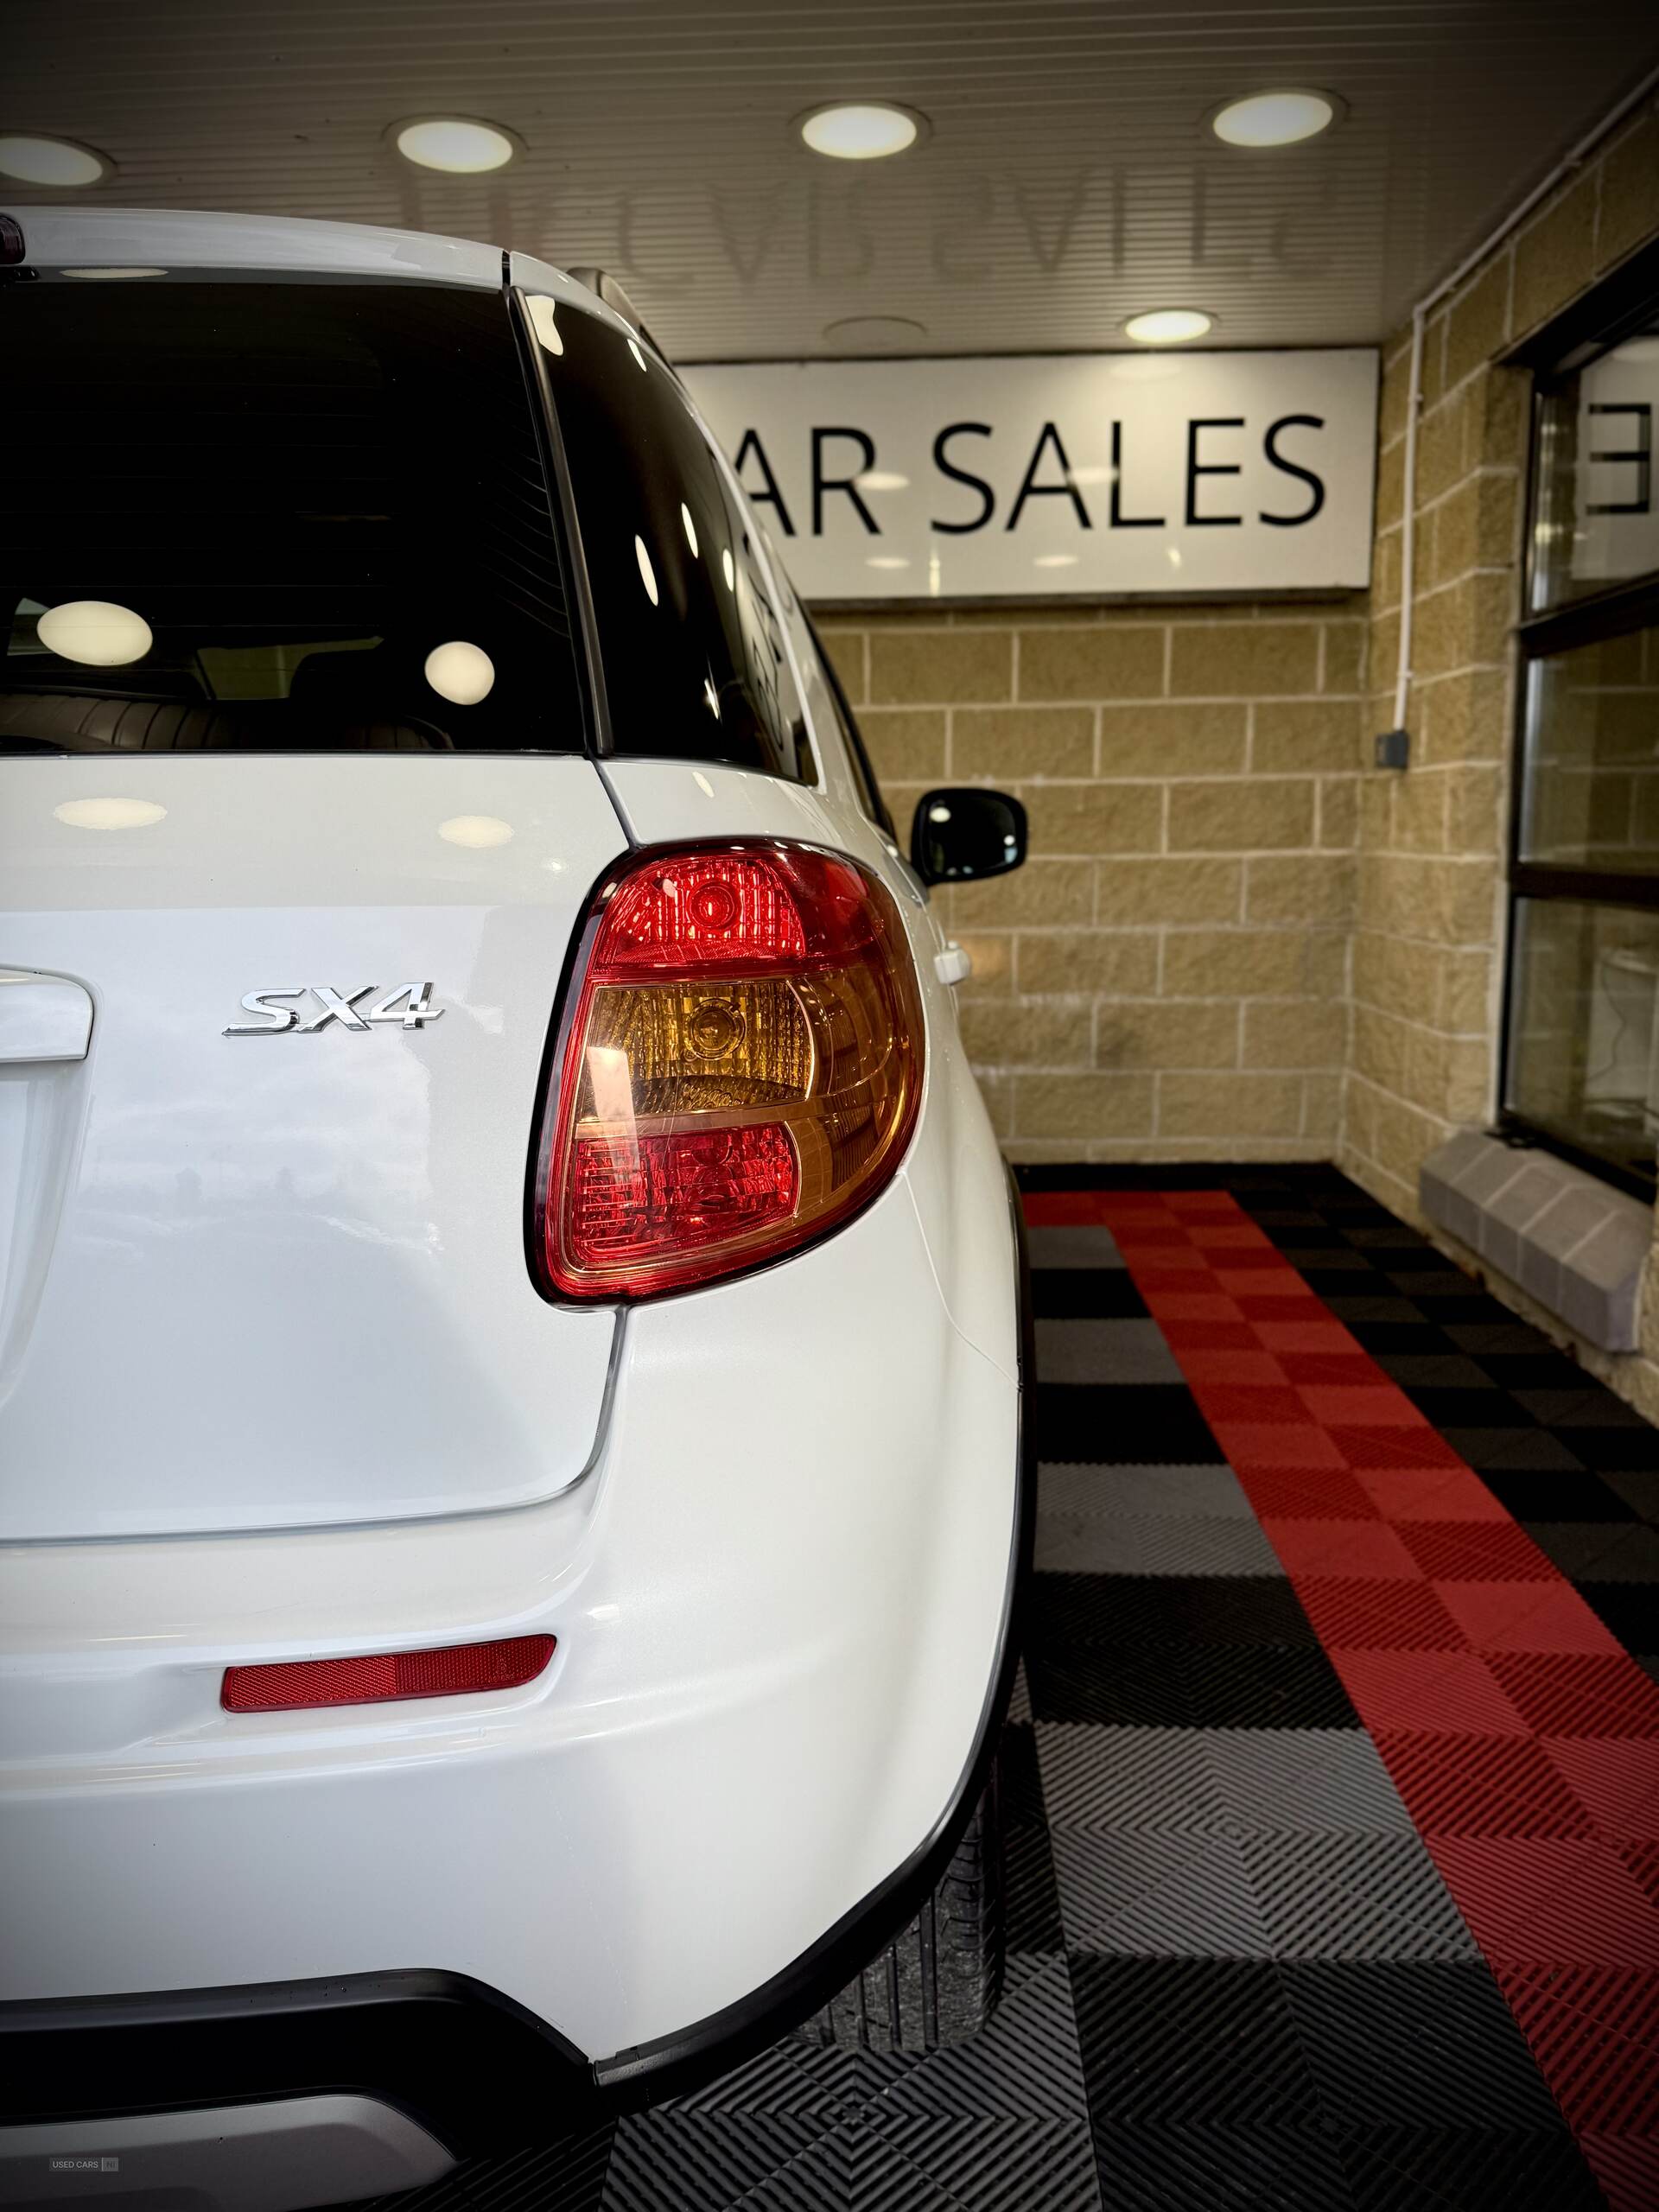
(1583, 1027)
(1583, 967)
(1591, 789)
(1595, 520)
(290, 514)
(692, 646)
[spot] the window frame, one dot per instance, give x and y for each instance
(1627, 303)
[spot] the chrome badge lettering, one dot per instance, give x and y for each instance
(273, 1018)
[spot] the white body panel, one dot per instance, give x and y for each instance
(290, 1269)
(277, 1384)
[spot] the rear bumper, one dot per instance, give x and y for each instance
(468, 2048)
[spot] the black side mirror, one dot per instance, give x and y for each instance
(965, 833)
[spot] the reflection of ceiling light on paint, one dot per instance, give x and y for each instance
(477, 832)
(725, 568)
(540, 309)
(647, 574)
(882, 480)
(110, 813)
(459, 672)
(1055, 561)
(882, 332)
(110, 276)
(886, 561)
(1168, 326)
(710, 696)
(454, 144)
(95, 633)
(1274, 118)
(52, 161)
(865, 130)
(689, 528)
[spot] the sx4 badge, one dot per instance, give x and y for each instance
(408, 1005)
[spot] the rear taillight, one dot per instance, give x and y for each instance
(740, 1067)
(507, 1665)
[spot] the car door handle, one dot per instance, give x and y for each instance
(955, 964)
(43, 1017)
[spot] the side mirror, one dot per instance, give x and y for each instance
(963, 833)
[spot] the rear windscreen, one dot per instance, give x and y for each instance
(275, 515)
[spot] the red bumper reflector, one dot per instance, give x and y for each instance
(507, 1665)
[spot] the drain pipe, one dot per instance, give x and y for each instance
(1396, 742)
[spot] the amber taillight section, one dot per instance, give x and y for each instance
(741, 1069)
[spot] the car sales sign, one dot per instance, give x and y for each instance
(1076, 474)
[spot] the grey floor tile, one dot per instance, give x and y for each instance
(1213, 1492)
(1311, 1779)
(1335, 1896)
(1073, 1247)
(1102, 1778)
(1103, 1351)
(1121, 1543)
(1153, 1894)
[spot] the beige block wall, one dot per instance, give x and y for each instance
(1167, 978)
(1430, 913)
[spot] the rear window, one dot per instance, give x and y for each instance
(691, 647)
(290, 515)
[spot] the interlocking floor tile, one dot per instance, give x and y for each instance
(1305, 1779)
(1086, 1246)
(1103, 1351)
(1333, 1895)
(1151, 1422)
(1102, 1779)
(1152, 2166)
(1206, 1492)
(1191, 2040)
(1121, 1543)
(1177, 1611)
(1467, 2169)
(1483, 1785)
(1071, 1295)
(1154, 1894)
(1536, 1900)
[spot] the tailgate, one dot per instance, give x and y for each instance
(279, 1280)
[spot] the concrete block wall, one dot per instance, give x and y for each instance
(1167, 977)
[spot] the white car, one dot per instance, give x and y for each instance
(511, 1325)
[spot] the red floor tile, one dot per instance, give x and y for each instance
(1444, 1693)
(1482, 1785)
(1377, 1405)
(1349, 1615)
(1260, 1444)
(1428, 1494)
(1545, 1900)
(1369, 1446)
(1214, 1371)
(1525, 1616)
(1618, 1779)
(1306, 1493)
(1342, 1368)
(1476, 1551)
(1368, 1550)
(1573, 1694)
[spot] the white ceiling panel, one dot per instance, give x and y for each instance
(1068, 181)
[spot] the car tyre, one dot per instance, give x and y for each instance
(938, 1983)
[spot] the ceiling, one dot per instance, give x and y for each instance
(1068, 181)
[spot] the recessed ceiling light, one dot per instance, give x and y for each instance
(457, 144)
(1282, 118)
(52, 161)
(862, 131)
(1168, 326)
(882, 480)
(112, 276)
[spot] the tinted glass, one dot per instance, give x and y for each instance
(692, 648)
(1591, 790)
(1595, 514)
(1583, 1026)
(317, 511)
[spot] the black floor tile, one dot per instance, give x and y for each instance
(1494, 1445)
(1262, 1686)
(1554, 1494)
(1605, 1447)
(1139, 1424)
(1629, 1609)
(1468, 2168)
(1485, 1407)
(1085, 1294)
(1205, 2041)
(1152, 2166)
(1433, 1370)
(1175, 1610)
(1140, 1689)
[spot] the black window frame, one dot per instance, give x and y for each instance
(1625, 304)
(871, 801)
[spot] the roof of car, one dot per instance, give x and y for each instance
(149, 237)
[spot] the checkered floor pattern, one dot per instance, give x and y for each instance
(1333, 1784)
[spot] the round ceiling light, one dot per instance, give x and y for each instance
(56, 162)
(862, 131)
(1168, 326)
(456, 144)
(1282, 118)
(880, 332)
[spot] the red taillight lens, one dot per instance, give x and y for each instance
(507, 1665)
(739, 1070)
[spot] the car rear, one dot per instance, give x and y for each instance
(486, 1606)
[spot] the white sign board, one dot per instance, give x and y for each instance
(1616, 514)
(1072, 474)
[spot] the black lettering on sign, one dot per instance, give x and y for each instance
(1120, 520)
(771, 496)
(821, 483)
(1195, 469)
(1315, 484)
(946, 467)
(1065, 489)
